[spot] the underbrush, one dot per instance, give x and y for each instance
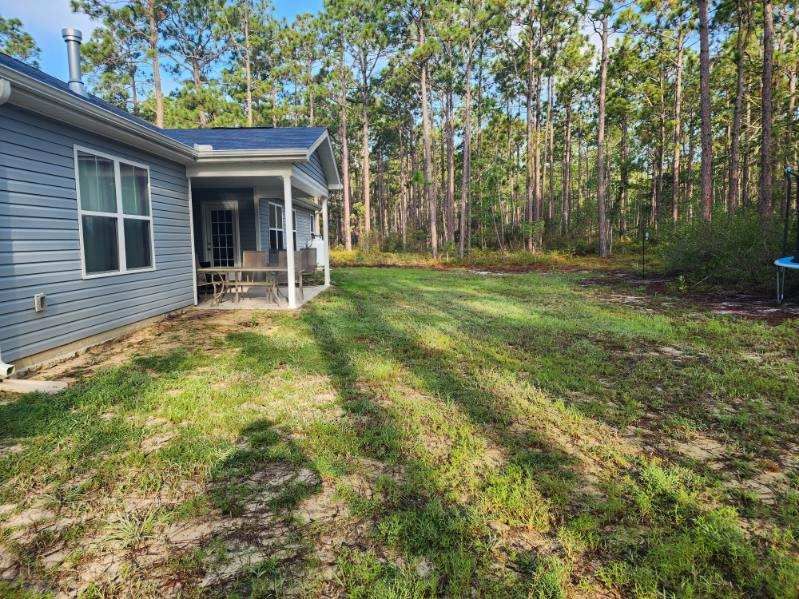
(733, 250)
(516, 260)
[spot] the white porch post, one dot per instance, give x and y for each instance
(289, 237)
(193, 249)
(327, 241)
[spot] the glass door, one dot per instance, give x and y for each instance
(221, 235)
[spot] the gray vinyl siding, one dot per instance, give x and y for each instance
(263, 223)
(40, 247)
(247, 235)
(246, 208)
(304, 220)
(313, 168)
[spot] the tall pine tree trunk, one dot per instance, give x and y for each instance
(550, 153)
(449, 207)
(764, 190)
(706, 177)
(366, 174)
(152, 40)
(677, 150)
(733, 191)
(247, 67)
(600, 143)
(345, 165)
(404, 193)
(537, 189)
(567, 169)
(427, 140)
(624, 174)
(794, 72)
(746, 158)
(660, 151)
(466, 170)
(531, 176)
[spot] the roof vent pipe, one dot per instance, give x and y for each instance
(73, 38)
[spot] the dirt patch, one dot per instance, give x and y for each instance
(174, 332)
(156, 442)
(658, 294)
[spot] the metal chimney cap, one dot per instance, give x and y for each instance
(70, 34)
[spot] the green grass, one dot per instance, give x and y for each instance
(417, 433)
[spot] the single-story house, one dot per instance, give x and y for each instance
(105, 218)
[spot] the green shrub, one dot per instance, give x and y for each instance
(733, 250)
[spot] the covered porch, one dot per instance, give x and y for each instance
(254, 298)
(260, 237)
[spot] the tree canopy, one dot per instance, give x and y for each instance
(481, 123)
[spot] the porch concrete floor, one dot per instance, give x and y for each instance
(254, 298)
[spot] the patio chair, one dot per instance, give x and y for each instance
(308, 261)
(210, 282)
(205, 284)
(252, 259)
(298, 270)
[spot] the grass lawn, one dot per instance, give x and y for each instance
(413, 433)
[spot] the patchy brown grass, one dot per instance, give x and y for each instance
(416, 433)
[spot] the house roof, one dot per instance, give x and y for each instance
(250, 138)
(289, 143)
(42, 77)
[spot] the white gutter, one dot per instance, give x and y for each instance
(29, 91)
(272, 155)
(76, 110)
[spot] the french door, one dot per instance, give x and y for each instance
(222, 233)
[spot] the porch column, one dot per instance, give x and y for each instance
(289, 237)
(193, 249)
(327, 241)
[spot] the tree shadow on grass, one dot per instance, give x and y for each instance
(419, 514)
(81, 424)
(664, 539)
(184, 519)
(65, 444)
(252, 544)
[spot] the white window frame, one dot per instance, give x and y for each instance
(272, 227)
(119, 214)
(294, 226)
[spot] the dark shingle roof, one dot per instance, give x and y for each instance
(41, 76)
(249, 138)
(252, 138)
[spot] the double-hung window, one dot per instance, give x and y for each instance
(116, 223)
(276, 239)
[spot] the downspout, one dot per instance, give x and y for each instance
(5, 91)
(6, 370)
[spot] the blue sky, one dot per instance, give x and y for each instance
(43, 19)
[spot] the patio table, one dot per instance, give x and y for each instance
(229, 271)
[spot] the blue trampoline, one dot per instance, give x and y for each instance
(787, 263)
(783, 265)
